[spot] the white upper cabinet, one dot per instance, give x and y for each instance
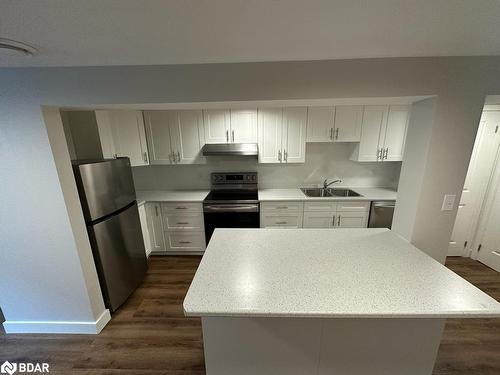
(348, 119)
(175, 137)
(282, 135)
(243, 126)
(270, 122)
(395, 134)
(217, 125)
(122, 134)
(383, 133)
(294, 134)
(320, 124)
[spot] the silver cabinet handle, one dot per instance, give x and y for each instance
(232, 135)
(281, 222)
(386, 152)
(282, 208)
(333, 221)
(182, 223)
(285, 155)
(331, 133)
(145, 156)
(178, 156)
(156, 210)
(379, 154)
(337, 133)
(184, 242)
(227, 136)
(181, 208)
(279, 155)
(338, 222)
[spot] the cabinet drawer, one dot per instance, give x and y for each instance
(185, 241)
(319, 219)
(320, 206)
(183, 221)
(182, 207)
(353, 206)
(281, 221)
(284, 206)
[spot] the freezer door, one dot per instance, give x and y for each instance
(105, 186)
(119, 255)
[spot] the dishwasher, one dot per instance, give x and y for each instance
(381, 213)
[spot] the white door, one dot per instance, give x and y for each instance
(129, 138)
(489, 239)
(270, 122)
(320, 124)
(348, 120)
(155, 227)
(243, 126)
(217, 125)
(143, 217)
(105, 134)
(186, 134)
(352, 220)
(319, 219)
(395, 133)
(158, 136)
(294, 134)
(480, 170)
(374, 120)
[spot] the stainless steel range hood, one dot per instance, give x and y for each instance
(231, 149)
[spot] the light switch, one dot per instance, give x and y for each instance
(448, 202)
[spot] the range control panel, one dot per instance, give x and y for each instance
(234, 178)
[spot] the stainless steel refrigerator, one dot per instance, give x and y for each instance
(109, 205)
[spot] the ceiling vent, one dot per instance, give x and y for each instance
(17, 47)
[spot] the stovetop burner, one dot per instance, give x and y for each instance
(229, 196)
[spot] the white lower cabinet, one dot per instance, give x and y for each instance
(338, 214)
(155, 227)
(286, 214)
(143, 217)
(184, 228)
(185, 241)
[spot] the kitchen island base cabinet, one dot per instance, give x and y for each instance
(289, 346)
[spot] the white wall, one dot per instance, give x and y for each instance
(40, 269)
(323, 160)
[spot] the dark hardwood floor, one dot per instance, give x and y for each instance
(150, 335)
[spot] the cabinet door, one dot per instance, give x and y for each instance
(243, 126)
(319, 219)
(185, 241)
(143, 216)
(320, 124)
(186, 134)
(158, 136)
(105, 134)
(348, 120)
(352, 219)
(129, 138)
(216, 123)
(155, 227)
(270, 125)
(395, 133)
(294, 134)
(372, 130)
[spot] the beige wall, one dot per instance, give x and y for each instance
(33, 287)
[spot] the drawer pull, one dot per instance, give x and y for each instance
(282, 207)
(184, 242)
(182, 223)
(181, 208)
(282, 222)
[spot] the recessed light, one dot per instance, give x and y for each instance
(18, 47)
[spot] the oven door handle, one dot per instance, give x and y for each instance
(231, 208)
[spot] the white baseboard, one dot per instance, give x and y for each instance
(92, 328)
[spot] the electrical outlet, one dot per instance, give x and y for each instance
(448, 202)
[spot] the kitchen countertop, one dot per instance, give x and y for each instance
(368, 193)
(342, 273)
(171, 196)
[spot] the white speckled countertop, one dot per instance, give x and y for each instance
(331, 273)
(367, 193)
(170, 196)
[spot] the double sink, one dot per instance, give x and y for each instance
(329, 192)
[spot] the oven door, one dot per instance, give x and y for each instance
(230, 216)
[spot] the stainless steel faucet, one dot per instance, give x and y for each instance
(326, 183)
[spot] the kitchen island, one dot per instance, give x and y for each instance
(322, 301)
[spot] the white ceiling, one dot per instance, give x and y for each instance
(137, 32)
